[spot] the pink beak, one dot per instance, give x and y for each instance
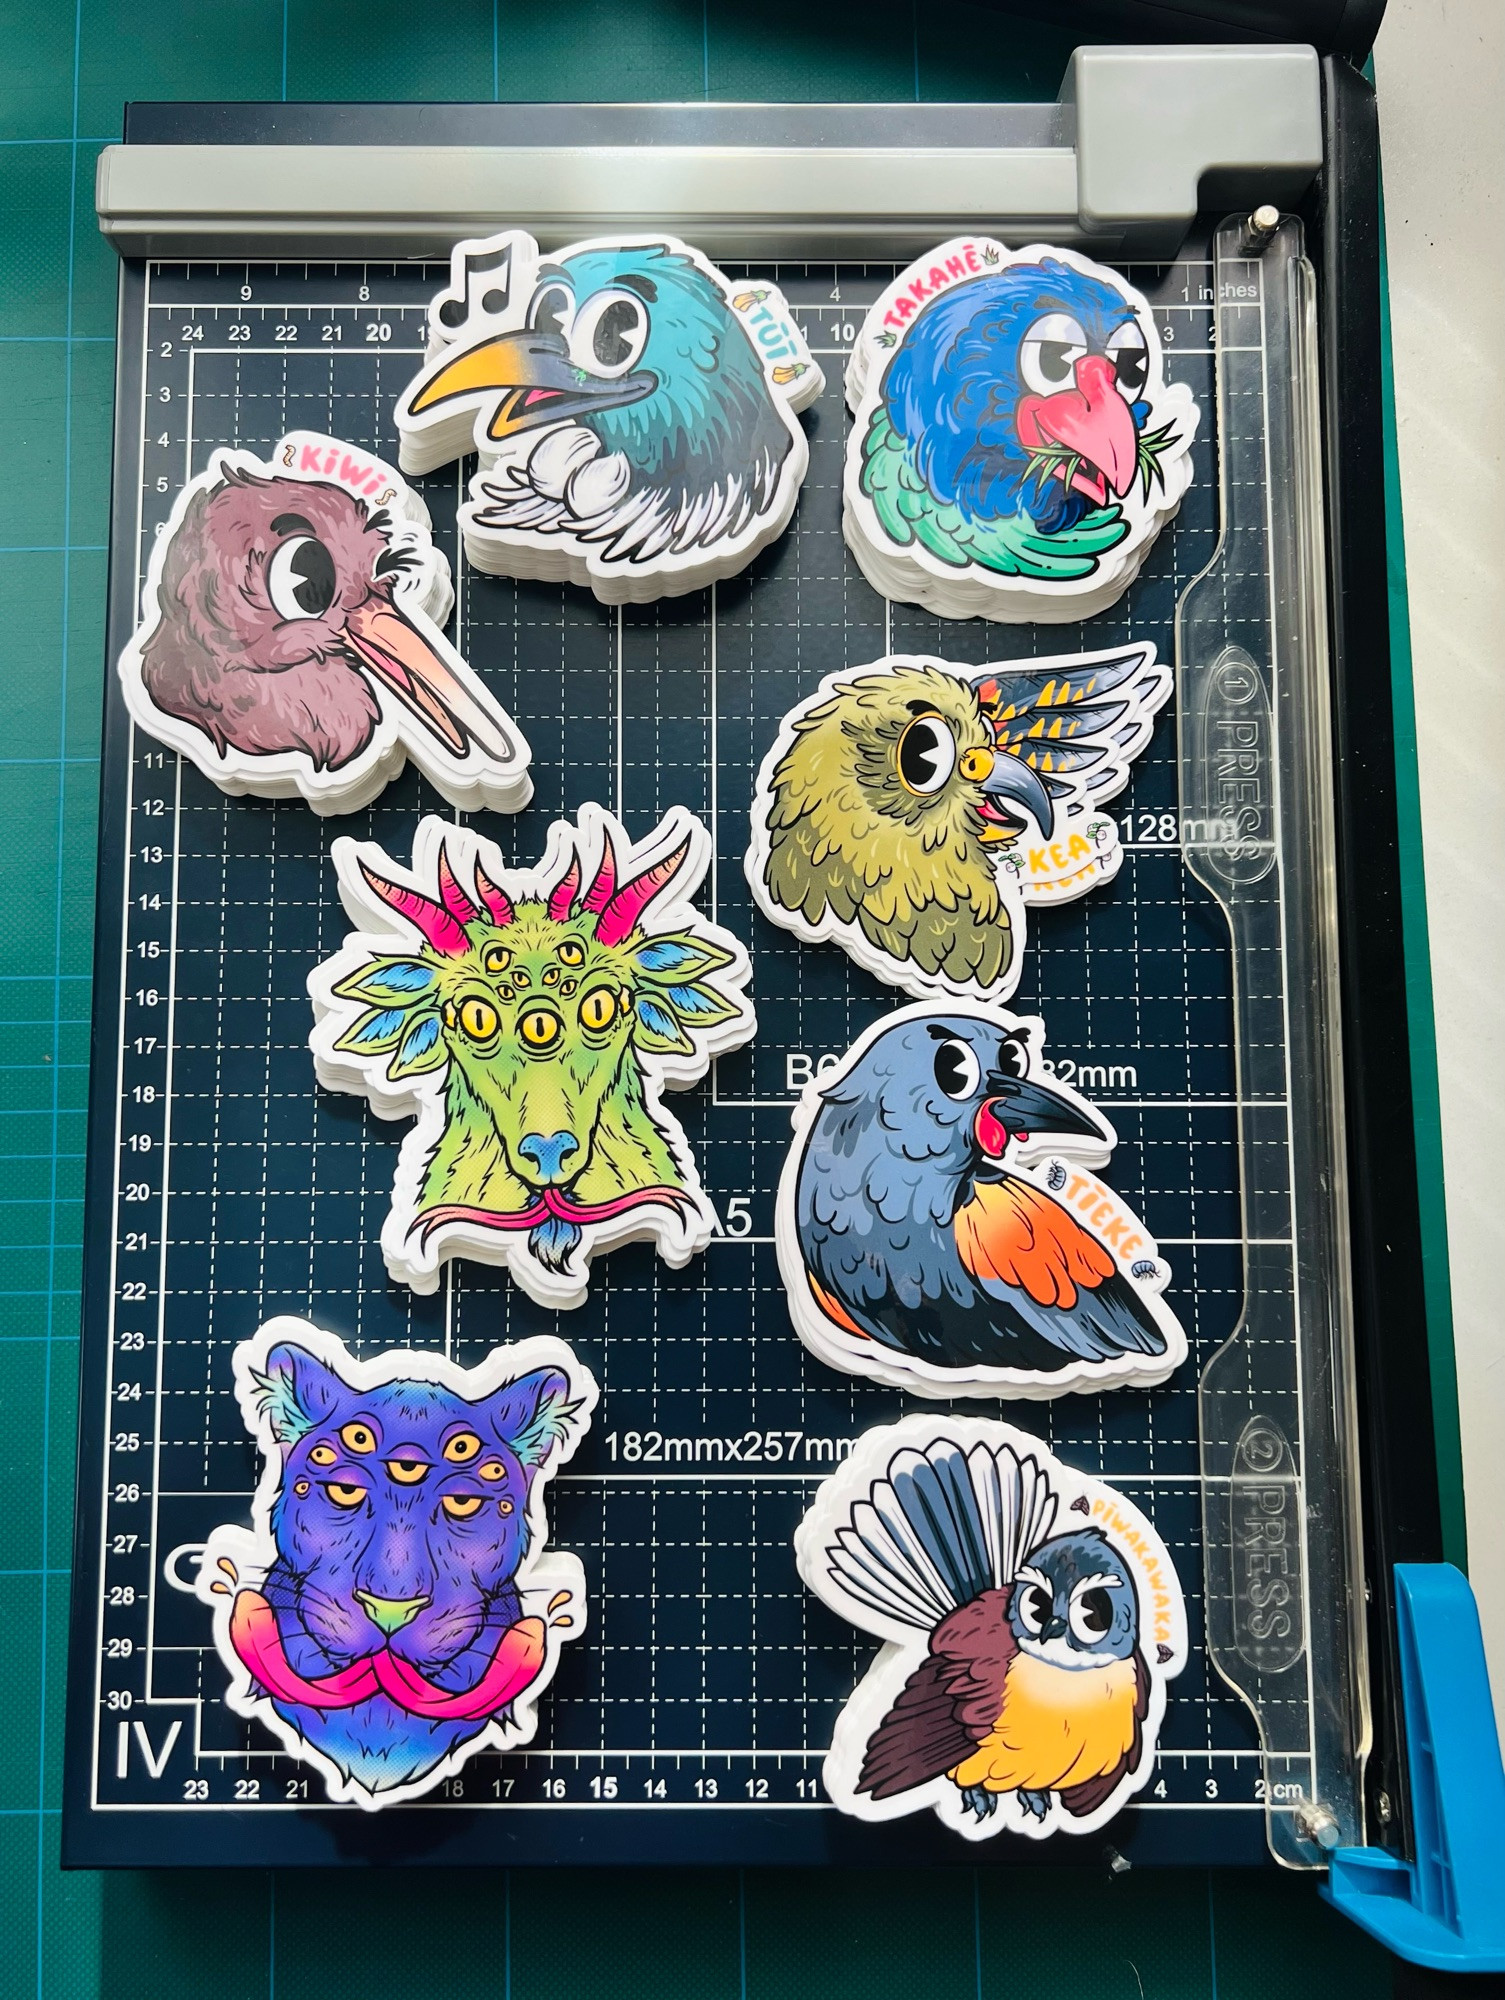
(1093, 421)
(401, 659)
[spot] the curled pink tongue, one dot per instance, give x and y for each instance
(992, 1133)
(515, 1663)
(258, 1647)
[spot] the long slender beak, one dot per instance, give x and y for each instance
(382, 641)
(1012, 779)
(1017, 1108)
(1093, 422)
(534, 380)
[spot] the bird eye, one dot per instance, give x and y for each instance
(478, 1018)
(976, 764)
(1091, 1614)
(957, 1069)
(1034, 1608)
(609, 333)
(926, 755)
(460, 1506)
(540, 1028)
(1050, 352)
(552, 310)
(1013, 1056)
(358, 1438)
(300, 578)
(343, 1493)
(1130, 357)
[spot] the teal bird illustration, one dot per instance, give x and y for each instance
(659, 430)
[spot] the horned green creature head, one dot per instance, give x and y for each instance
(547, 1010)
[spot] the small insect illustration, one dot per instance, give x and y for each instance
(292, 638)
(1015, 447)
(531, 1021)
(912, 811)
(1032, 1619)
(394, 1607)
(939, 1227)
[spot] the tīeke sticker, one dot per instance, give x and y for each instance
(1031, 1619)
(531, 1021)
(939, 1226)
(394, 1607)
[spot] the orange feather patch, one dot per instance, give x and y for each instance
(1012, 1234)
(834, 1309)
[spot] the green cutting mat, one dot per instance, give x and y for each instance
(67, 70)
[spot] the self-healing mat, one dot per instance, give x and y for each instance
(692, 1713)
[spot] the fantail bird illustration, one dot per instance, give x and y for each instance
(1033, 1682)
(278, 630)
(902, 787)
(659, 431)
(913, 1231)
(1010, 420)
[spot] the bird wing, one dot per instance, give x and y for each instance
(1080, 724)
(1009, 545)
(948, 1705)
(1036, 1261)
(1082, 1799)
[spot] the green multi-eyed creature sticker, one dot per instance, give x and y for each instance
(531, 1020)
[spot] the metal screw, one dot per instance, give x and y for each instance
(1260, 227)
(1317, 1823)
(1384, 1810)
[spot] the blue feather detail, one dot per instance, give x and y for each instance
(663, 955)
(692, 1000)
(377, 1028)
(658, 1020)
(407, 976)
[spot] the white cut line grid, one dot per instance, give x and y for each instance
(620, 781)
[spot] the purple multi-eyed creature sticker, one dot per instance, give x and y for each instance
(393, 1607)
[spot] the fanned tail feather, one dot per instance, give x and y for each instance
(943, 1527)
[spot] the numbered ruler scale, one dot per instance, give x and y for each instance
(691, 1721)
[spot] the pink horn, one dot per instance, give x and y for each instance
(453, 897)
(630, 901)
(599, 894)
(562, 897)
(498, 903)
(432, 919)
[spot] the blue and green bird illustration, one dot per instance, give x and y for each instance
(661, 432)
(1012, 421)
(1033, 1682)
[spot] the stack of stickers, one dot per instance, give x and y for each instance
(1015, 447)
(634, 413)
(942, 1221)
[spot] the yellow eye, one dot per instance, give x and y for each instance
(540, 1028)
(478, 1018)
(493, 1470)
(323, 1454)
(462, 1447)
(976, 764)
(355, 1437)
(496, 958)
(300, 1488)
(571, 952)
(504, 1506)
(344, 1494)
(408, 1471)
(597, 1008)
(460, 1506)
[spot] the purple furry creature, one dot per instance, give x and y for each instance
(278, 630)
(389, 1630)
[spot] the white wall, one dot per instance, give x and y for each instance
(1440, 71)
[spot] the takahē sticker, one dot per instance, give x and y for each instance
(912, 810)
(531, 1020)
(633, 407)
(1031, 1619)
(291, 641)
(939, 1226)
(1016, 447)
(394, 1606)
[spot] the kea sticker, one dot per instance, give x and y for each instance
(912, 810)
